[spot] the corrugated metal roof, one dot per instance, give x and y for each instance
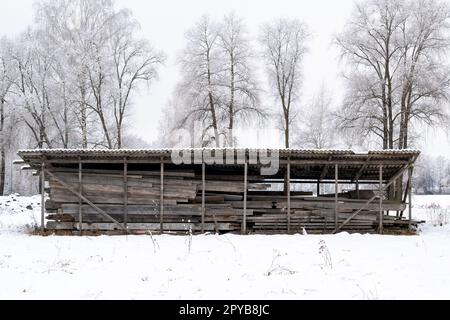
(159, 151)
(306, 163)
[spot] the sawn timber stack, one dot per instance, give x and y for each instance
(145, 191)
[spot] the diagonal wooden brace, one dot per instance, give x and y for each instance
(394, 178)
(100, 211)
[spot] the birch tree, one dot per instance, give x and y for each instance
(284, 46)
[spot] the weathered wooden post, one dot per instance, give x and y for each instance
(125, 193)
(410, 177)
(43, 195)
(161, 204)
(336, 195)
(80, 191)
(288, 185)
(203, 194)
(380, 222)
(357, 189)
(244, 218)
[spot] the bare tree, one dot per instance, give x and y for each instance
(241, 88)
(284, 43)
(424, 78)
(201, 64)
(7, 79)
(73, 26)
(317, 127)
(397, 74)
(369, 44)
(134, 61)
(34, 66)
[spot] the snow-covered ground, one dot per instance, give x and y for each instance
(338, 266)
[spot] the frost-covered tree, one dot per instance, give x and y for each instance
(135, 61)
(424, 77)
(218, 87)
(241, 90)
(7, 79)
(316, 124)
(284, 46)
(99, 63)
(202, 64)
(396, 73)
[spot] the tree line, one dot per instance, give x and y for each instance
(69, 80)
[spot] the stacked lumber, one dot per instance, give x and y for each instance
(140, 206)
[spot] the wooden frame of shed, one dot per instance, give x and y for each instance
(135, 191)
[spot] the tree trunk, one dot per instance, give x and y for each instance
(2, 147)
(214, 120)
(119, 136)
(385, 119)
(231, 107)
(84, 143)
(286, 137)
(2, 169)
(66, 127)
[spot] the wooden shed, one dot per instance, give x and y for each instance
(246, 191)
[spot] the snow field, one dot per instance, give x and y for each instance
(341, 266)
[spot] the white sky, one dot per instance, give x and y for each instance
(165, 22)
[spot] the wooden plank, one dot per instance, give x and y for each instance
(83, 198)
(395, 177)
(53, 225)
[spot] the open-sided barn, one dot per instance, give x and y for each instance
(225, 190)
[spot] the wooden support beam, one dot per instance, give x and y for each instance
(325, 170)
(336, 195)
(161, 203)
(80, 202)
(203, 194)
(43, 195)
(395, 177)
(282, 162)
(357, 189)
(288, 185)
(406, 195)
(89, 202)
(244, 218)
(380, 219)
(361, 171)
(125, 193)
(318, 188)
(410, 177)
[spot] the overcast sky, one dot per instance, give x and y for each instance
(165, 22)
